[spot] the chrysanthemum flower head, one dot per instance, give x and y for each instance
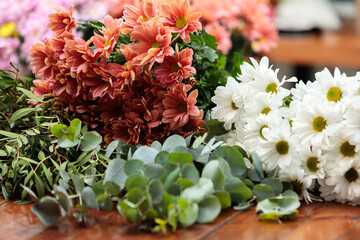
(175, 68)
(179, 107)
(153, 44)
(62, 20)
(44, 61)
(136, 15)
(180, 18)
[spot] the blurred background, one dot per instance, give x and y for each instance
(314, 34)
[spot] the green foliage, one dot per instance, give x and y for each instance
(160, 187)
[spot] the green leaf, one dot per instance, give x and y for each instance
(89, 198)
(156, 191)
(70, 133)
(172, 142)
(224, 198)
(254, 175)
(63, 199)
(239, 192)
(136, 181)
(78, 183)
(185, 183)
(199, 191)
(48, 174)
(29, 94)
(145, 154)
(263, 191)
(90, 141)
(282, 207)
(154, 170)
(180, 158)
(112, 188)
(257, 164)
(275, 184)
(291, 193)
(98, 188)
(234, 159)
(111, 148)
(76, 123)
(20, 113)
(243, 206)
(9, 134)
(161, 157)
(236, 63)
(66, 143)
(190, 172)
(40, 186)
(133, 166)
(90, 176)
(209, 209)
(30, 193)
(115, 172)
(215, 127)
(47, 210)
(107, 204)
(188, 213)
(212, 171)
(59, 130)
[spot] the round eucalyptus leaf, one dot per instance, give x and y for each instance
(59, 130)
(188, 213)
(275, 184)
(234, 159)
(174, 189)
(47, 210)
(107, 204)
(190, 172)
(199, 191)
(172, 142)
(185, 183)
(263, 191)
(209, 209)
(156, 191)
(161, 157)
(115, 172)
(278, 207)
(154, 170)
(224, 198)
(133, 166)
(212, 171)
(239, 192)
(180, 158)
(90, 141)
(66, 143)
(112, 188)
(132, 215)
(89, 198)
(98, 188)
(254, 175)
(151, 214)
(63, 199)
(145, 154)
(136, 181)
(156, 145)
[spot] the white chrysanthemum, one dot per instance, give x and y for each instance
(280, 147)
(352, 123)
(352, 91)
(269, 83)
(254, 127)
(236, 138)
(312, 161)
(301, 183)
(328, 86)
(248, 70)
(316, 120)
(301, 90)
(341, 150)
(228, 102)
(346, 182)
(326, 191)
(261, 103)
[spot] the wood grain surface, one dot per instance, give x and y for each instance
(316, 221)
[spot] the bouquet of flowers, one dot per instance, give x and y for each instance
(310, 137)
(131, 79)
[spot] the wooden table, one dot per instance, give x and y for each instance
(331, 49)
(316, 221)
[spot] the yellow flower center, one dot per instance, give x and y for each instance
(260, 131)
(233, 105)
(266, 111)
(347, 149)
(107, 42)
(175, 67)
(282, 147)
(271, 88)
(155, 45)
(334, 94)
(182, 107)
(319, 124)
(311, 164)
(8, 30)
(181, 22)
(351, 175)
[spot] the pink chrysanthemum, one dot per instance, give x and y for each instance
(43, 60)
(153, 45)
(136, 15)
(179, 107)
(62, 20)
(175, 68)
(180, 18)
